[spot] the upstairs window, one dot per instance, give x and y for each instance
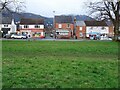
(37, 26)
(26, 26)
(60, 26)
(68, 25)
(80, 28)
(6, 25)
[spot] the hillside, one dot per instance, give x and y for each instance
(17, 17)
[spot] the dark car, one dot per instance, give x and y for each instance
(8, 36)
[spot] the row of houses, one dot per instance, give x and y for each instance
(64, 27)
(33, 27)
(67, 26)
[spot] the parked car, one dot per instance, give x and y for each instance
(18, 36)
(8, 36)
(94, 36)
(42, 37)
(51, 35)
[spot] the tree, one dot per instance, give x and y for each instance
(107, 9)
(12, 5)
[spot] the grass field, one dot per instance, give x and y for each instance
(60, 64)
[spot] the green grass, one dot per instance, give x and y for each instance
(60, 64)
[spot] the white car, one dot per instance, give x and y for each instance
(18, 36)
(51, 35)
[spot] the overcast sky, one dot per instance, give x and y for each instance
(46, 7)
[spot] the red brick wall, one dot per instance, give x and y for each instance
(83, 31)
(64, 26)
(111, 30)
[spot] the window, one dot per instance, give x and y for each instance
(80, 28)
(68, 25)
(37, 34)
(60, 26)
(81, 34)
(103, 28)
(63, 33)
(6, 25)
(20, 27)
(91, 27)
(26, 26)
(37, 26)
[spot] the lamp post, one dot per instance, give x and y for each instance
(54, 31)
(74, 32)
(53, 19)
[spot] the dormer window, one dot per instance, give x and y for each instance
(6, 25)
(26, 26)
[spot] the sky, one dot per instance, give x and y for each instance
(61, 7)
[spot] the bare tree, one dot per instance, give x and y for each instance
(107, 9)
(12, 5)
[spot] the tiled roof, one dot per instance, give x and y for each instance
(63, 19)
(28, 21)
(109, 23)
(95, 23)
(80, 23)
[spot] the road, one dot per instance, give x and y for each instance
(51, 39)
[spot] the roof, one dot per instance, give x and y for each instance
(28, 21)
(5, 20)
(108, 22)
(80, 23)
(63, 19)
(95, 23)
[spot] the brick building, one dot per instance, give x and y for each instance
(80, 29)
(64, 26)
